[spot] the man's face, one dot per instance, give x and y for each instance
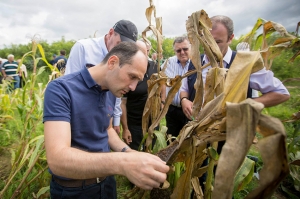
(11, 59)
(113, 39)
(154, 57)
(220, 34)
(125, 79)
(182, 51)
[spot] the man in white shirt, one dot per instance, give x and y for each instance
(272, 89)
(176, 65)
(91, 51)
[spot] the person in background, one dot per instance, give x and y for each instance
(154, 57)
(78, 131)
(23, 75)
(176, 65)
(61, 61)
(10, 69)
(89, 52)
(133, 104)
(52, 60)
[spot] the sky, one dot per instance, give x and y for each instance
(51, 20)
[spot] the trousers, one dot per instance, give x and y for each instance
(103, 190)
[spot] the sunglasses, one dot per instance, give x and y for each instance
(184, 49)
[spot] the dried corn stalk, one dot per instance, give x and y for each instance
(225, 115)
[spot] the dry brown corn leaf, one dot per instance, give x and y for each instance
(237, 80)
(241, 122)
(196, 186)
(148, 13)
(274, 155)
(214, 85)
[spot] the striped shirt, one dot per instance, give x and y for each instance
(175, 68)
(10, 68)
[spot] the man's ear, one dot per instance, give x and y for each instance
(230, 38)
(112, 62)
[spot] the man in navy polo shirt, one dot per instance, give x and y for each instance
(79, 135)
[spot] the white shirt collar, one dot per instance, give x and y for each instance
(226, 58)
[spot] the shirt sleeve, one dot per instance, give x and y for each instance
(76, 60)
(117, 112)
(56, 103)
(264, 81)
(184, 86)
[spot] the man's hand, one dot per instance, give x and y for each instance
(145, 170)
(186, 106)
(117, 129)
(127, 136)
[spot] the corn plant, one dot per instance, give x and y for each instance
(28, 161)
(228, 112)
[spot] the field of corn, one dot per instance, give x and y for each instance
(23, 166)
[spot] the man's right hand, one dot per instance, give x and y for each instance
(186, 106)
(145, 170)
(126, 135)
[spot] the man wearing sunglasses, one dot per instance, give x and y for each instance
(177, 65)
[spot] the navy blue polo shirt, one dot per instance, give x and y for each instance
(76, 98)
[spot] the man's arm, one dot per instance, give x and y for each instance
(186, 104)
(76, 60)
(143, 169)
(126, 135)
(272, 89)
(117, 115)
(272, 99)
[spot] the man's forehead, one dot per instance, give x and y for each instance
(184, 43)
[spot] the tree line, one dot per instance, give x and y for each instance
(281, 67)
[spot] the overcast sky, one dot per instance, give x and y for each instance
(78, 19)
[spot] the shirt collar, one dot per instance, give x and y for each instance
(103, 46)
(90, 82)
(187, 62)
(226, 58)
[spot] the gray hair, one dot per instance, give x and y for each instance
(10, 55)
(226, 21)
(180, 40)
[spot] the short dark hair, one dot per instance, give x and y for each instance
(179, 40)
(62, 52)
(124, 51)
(226, 21)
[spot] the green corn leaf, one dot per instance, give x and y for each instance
(244, 174)
(42, 191)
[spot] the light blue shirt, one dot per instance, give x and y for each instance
(175, 68)
(91, 51)
(262, 80)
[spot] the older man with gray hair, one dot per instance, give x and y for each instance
(10, 69)
(177, 65)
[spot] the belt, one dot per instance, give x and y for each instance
(175, 106)
(77, 183)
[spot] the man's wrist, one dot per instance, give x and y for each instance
(124, 149)
(183, 98)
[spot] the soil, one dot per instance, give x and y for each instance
(160, 193)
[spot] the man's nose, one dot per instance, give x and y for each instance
(133, 85)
